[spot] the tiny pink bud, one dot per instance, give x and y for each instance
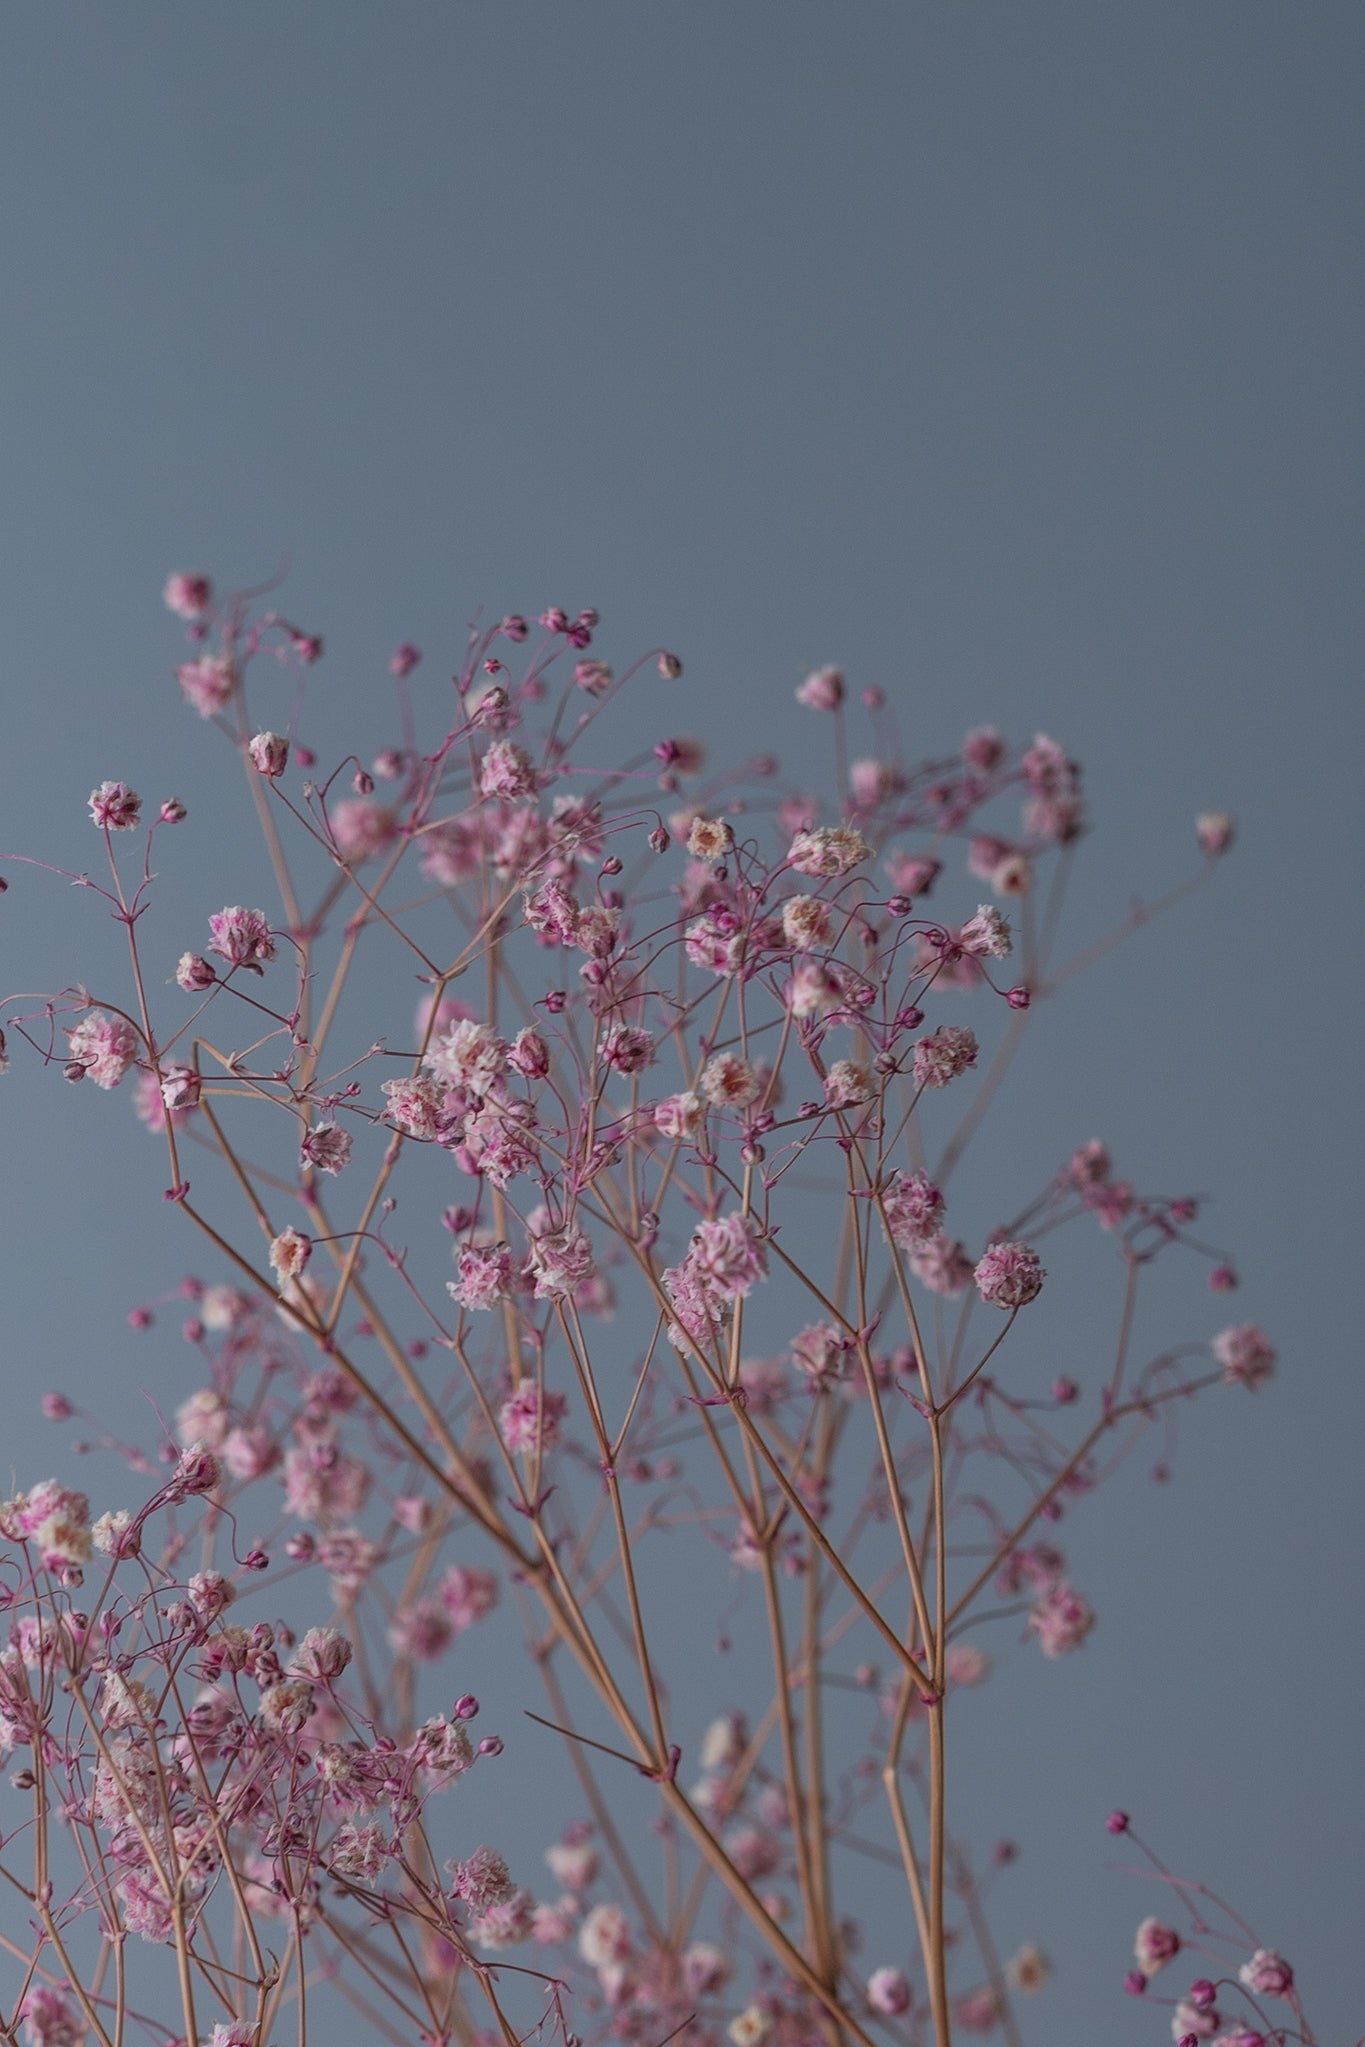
(269, 753)
(194, 973)
(173, 811)
(670, 667)
(57, 1407)
(1135, 1983)
(1117, 1822)
(491, 1745)
(1019, 998)
(362, 782)
(466, 1707)
(1064, 1391)
(1214, 830)
(404, 660)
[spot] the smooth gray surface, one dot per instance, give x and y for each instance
(1009, 357)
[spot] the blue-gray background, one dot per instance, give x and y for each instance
(1007, 355)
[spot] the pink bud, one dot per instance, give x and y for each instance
(173, 811)
(269, 753)
(670, 667)
(404, 660)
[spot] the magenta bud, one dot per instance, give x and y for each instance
(466, 1707)
(73, 1070)
(659, 841)
(1223, 1279)
(670, 667)
(57, 1407)
(1117, 1822)
(1201, 1993)
(1019, 998)
(1135, 1983)
(173, 811)
(490, 1746)
(404, 660)
(140, 1318)
(256, 1560)
(1064, 1391)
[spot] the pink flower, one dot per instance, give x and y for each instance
(289, 1253)
(1061, 1620)
(559, 1262)
(912, 875)
(888, 1992)
(51, 2019)
(594, 678)
(806, 921)
(821, 1352)
(481, 1881)
(828, 850)
(404, 660)
(506, 1923)
(978, 2011)
(361, 829)
(468, 1594)
(1267, 1974)
(1009, 1275)
(943, 1266)
(105, 1046)
(115, 807)
(1194, 2021)
(983, 748)
(627, 1049)
(470, 1055)
(678, 1116)
(728, 1256)
(873, 782)
(604, 1937)
(914, 1210)
(986, 935)
(207, 683)
(530, 1420)
(416, 1103)
(326, 1147)
(508, 771)
(1246, 1355)
(942, 1056)
(187, 594)
(485, 1276)
(822, 691)
(710, 839)
(241, 936)
(814, 989)
(322, 1655)
(847, 1084)
(422, 1630)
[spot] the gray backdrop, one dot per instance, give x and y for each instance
(1008, 356)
